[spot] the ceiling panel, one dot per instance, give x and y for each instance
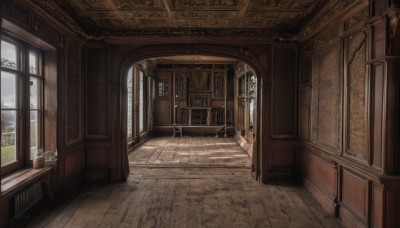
(176, 14)
(279, 5)
(205, 5)
(136, 4)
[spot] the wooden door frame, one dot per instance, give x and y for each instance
(235, 52)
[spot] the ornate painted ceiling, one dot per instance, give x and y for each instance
(110, 15)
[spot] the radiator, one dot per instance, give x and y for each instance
(27, 198)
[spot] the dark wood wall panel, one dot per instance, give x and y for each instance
(326, 100)
(376, 137)
(393, 208)
(355, 195)
(281, 161)
(378, 7)
(304, 114)
(17, 15)
(284, 92)
(162, 110)
(72, 164)
(392, 117)
(305, 98)
(35, 24)
(304, 123)
(322, 173)
(98, 161)
(305, 93)
(377, 205)
(320, 178)
(355, 103)
(46, 32)
(96, 156)
(379, 39)
(283, 155)
(305, 73)
(97, 93)
(282, 100)
(74, 93)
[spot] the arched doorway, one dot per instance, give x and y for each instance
(208, 50)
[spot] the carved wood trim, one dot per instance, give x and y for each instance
(60, 17)
(377, 116)
(330, 13)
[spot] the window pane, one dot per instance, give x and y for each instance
(33, 63)
(163, 86)
(34, 139)
(9, 55)
(141, 103)
(8, 90)
(130, 97)
(34, 93)
(251, 115)
(8, 137)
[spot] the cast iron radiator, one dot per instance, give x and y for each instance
(27, 198)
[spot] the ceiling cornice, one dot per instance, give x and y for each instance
(51, 7)
(328, 14)
(193, 33)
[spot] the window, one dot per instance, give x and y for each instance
(139, 90)
(130, 103)
(141, 101)
(163, 86)
(219, 84)
(35, 102)
(252, 90)
(21, 103)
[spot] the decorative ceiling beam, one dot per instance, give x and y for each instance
(169, 11)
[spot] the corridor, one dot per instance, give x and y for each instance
(186, 182)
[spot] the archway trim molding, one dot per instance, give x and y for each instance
(235, 52)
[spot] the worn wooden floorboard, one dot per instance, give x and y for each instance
(185, 182)
(174, 151)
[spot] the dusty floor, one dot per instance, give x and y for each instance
(169, 195)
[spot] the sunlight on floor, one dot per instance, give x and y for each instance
(207, 151)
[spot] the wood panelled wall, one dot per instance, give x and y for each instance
(348, 115)
(63, 101)
(341, 127)
(281, 160)
(67, 86)
(97, 133)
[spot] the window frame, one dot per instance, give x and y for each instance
(142, 99)
(145, 91)
(40, 109)
(22, 108)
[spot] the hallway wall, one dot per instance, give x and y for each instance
(63, 101)
(65, 113)
(347, 100)
(348, 83)
(281, 164)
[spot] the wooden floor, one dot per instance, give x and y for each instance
(190, 151)
(190, 196)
